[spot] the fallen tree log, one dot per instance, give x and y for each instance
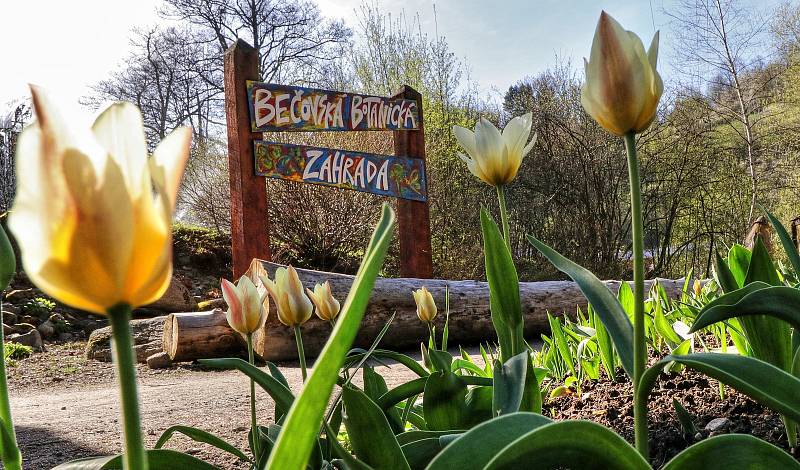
(146, 340)
(196, 335)
(470, 319)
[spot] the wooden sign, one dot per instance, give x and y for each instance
(292, 108)
(385, 175)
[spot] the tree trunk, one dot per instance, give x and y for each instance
(470, 319)
(197, 335)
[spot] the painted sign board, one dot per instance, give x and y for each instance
(291, 108)
(384, 175)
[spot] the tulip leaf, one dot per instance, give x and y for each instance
(403, 359)
(198, 435)
(754, 299)
(569, 444)
(418, 453)
(509, 384)
(739, 263)
(280, 411)
(786, 240)
(350, 462)
(416, 435)
(279, 392)
(158, 459)
(444, 402)
(759, 380)
(375, 387)
(504, 300)
(475, 448)
(8, 262)
(761, 267)
(402, 392)
(305, 417)
(724, 276)
(604, 303)
(732, 451)
(370, 434)
(9, 451)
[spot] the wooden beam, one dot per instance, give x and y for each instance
(413, 217)
(249, 218)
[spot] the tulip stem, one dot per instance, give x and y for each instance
(433, 335)
(298, 337)
(11, 460)
(501, 197)
(120, 316)
(639, 345)
(253, 423)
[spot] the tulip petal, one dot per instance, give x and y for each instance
(169, 161)
(652, 52)
(120, 131)
(466, 138)
(516, 133)
(235, 312)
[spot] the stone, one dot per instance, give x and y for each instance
(47, 329)
(7, 329)
(718, 424)
(11, 308)
(10, 318)
(31, 338)
(56, 317)
(66, 337)
(29, 319)
(21, 295)
(23, 328)
(212, 304)
(177, 298)
(158, 360)
(148, 339)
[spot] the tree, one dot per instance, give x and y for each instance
(16, 115)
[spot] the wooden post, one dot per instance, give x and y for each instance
(249, 218)
(413, 218)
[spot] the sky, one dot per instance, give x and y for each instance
(79, 42)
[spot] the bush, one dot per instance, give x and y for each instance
(39, 307)
(16, 351)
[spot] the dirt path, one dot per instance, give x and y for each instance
(68, 419)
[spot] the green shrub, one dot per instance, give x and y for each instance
(16, 351)
(39, 307)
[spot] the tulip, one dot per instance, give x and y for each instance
(698, 288)
(327, 307)
(622, 85)
(91, 232)
(426, 307)
(93, 219)
(286, 291)
(12, 459)
(293, 306)
(495, 157)
(8, 262)
(245, 307)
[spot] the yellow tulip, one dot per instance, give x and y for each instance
(698, 288)
(92, 218)
(622, 85)
(246, 309)
(426, 307)
(327, 307)
(492, 156)
(286, 291)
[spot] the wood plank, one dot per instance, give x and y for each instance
(249, 217)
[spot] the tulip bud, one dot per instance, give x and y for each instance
(426, 307)
(622, 85)
(495, 157)
(8, 262)
(327, 307)
(698, 288)
(286, 291)
(246, 309)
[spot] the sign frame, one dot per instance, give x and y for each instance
(249, 199)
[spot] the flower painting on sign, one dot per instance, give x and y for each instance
(377, 174)
(292, 108)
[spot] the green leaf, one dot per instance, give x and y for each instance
(663, 326)
(625, 298)
(279, 392)
(11, 455)
(759, 380)
(761, 267)
(689, 428)
(440, 360)
(561, 343)
(732, 451)
(605, 345)
(570, 444)
(475, 448)
(604, 303)
(509, 384)
(786, 240)
(504, 301)
(402, 392)
(407, 361)
(375, 387)
(306, 414)
(280, 412)
(198, 435)
(370, 434)
(420, 452)
(444, 402)
(724, 276)
(739, 263)
(158, 459)
(350, 462)
(755, 299)
(8, 262)
(416, 435)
